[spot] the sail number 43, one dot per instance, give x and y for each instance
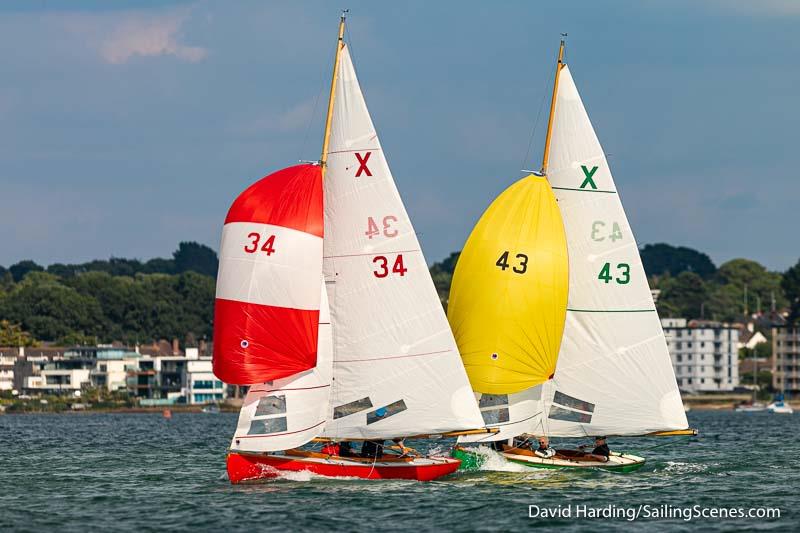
(623, 273)
(599, 229)
(520, 268)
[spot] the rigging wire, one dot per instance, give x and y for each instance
(536, 122)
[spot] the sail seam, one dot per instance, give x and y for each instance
(298, 388)
(355, 150)
(581, 190)
(391, 357)
(372, 253)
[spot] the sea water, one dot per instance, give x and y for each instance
(126, 472)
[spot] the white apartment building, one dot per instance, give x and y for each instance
(7, 371)
(704, 354)
(201, 383)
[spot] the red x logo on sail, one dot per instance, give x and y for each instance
(363, 164)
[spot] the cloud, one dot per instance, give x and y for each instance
(149, 35)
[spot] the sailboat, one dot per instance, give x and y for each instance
(326, 309)
(551, 308)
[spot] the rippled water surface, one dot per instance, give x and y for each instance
(81, 472)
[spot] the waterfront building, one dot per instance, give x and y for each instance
(786, 360)
(164, 376)
(704, 354)
(7, 363)
(173, 379)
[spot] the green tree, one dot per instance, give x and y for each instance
(728, 289)
(19, 270)
(683, 296)
(196, 257)
(442, 274)
(660, 259)
(14, 335)
(49, 310)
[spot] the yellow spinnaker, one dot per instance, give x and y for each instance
(508, 299)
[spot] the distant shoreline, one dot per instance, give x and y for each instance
(124, 410)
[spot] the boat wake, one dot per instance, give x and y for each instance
(491, 461)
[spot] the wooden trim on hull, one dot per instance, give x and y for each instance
(248, 468)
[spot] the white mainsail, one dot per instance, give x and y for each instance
(289, 412)
(614, 374)
(396, 367)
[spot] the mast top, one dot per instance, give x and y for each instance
(559, 66)
(323, 160)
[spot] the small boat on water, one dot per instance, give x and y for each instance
(780, 406)
(249, 467)
(551, 308)
(211, 409)
(750, 407)
(326, 307)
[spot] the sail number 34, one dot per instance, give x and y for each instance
(255, 240)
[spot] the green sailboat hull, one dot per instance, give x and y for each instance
(618, 462)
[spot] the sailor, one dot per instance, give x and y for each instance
(522, 442)
(372, 449)
(600, 451)
(346, 450)
(544, 450)
(400, 443)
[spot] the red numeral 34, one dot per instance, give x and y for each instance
(383, 266)
(255, 238)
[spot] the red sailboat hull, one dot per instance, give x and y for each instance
(246, 467)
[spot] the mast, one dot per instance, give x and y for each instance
(323, 160)
(559, 66)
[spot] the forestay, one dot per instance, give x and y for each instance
(397, 370)
(289, 412)
(614, 374)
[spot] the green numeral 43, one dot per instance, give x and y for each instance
(623, 271)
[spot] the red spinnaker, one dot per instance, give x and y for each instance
(266, 313)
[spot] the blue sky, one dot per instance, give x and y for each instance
(126, 127)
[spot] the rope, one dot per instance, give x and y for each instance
(536, 122)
